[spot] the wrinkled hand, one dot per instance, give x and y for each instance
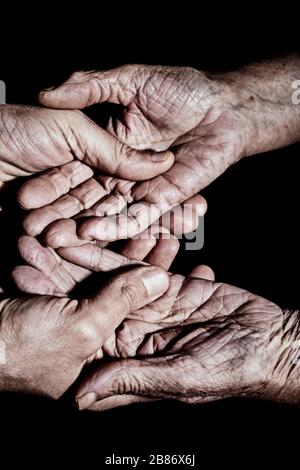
(208, 341)
(48, 340)
(163, 107)
(35, 139)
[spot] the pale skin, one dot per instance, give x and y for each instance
(235, 115)
(48, 339)
(77, 150)
(210, 340)
(208, 121)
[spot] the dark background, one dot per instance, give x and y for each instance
(251, 238)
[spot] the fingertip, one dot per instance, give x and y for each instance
(32, 281)
(24, 243)
(139, 165)
(203, 272)
(19, 274)
(201, 205)
(37, 219)
(165, 251)
(33, 194)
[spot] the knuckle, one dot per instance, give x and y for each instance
(86, 332)
(131, 290)
(79, 74)
(131, 293)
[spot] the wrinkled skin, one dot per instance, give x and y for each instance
(49, 339)
(183, 218)
(164, 107)
(157, 246)
(209, 340)
(35, 139)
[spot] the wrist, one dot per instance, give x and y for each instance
(260, 96)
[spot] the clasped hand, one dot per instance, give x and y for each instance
(170, 336)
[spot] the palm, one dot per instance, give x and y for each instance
(200, 341)
(164, 104)
(163, 107)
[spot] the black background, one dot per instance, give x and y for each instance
(251, 236)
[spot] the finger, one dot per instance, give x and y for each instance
(94, 258)
(120, 296)
(184, 218)
(63, 275)
(118, 193)
(150, 378)
(156, 246)
(32, 281)
(202, 272)
(49, 186)
(118, 401)
(82, 197)
(62, 233)
(83, 89)
(143, 214)
(122, 226)
(99, 149)
(138, 248)
(164, 253)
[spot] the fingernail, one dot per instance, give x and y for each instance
(160, 156)
(86, 400)
(155, 281)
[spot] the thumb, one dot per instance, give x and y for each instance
(101, 150)
(84, 89)
(125, 293)
(127, 381)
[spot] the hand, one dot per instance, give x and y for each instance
(48, 340)
(35, 139)
(57, 272)
(209, 341)
(164, 107)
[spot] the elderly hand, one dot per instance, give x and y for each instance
(164, 107)
(209, 121)
(46, 340)
(35, 139)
